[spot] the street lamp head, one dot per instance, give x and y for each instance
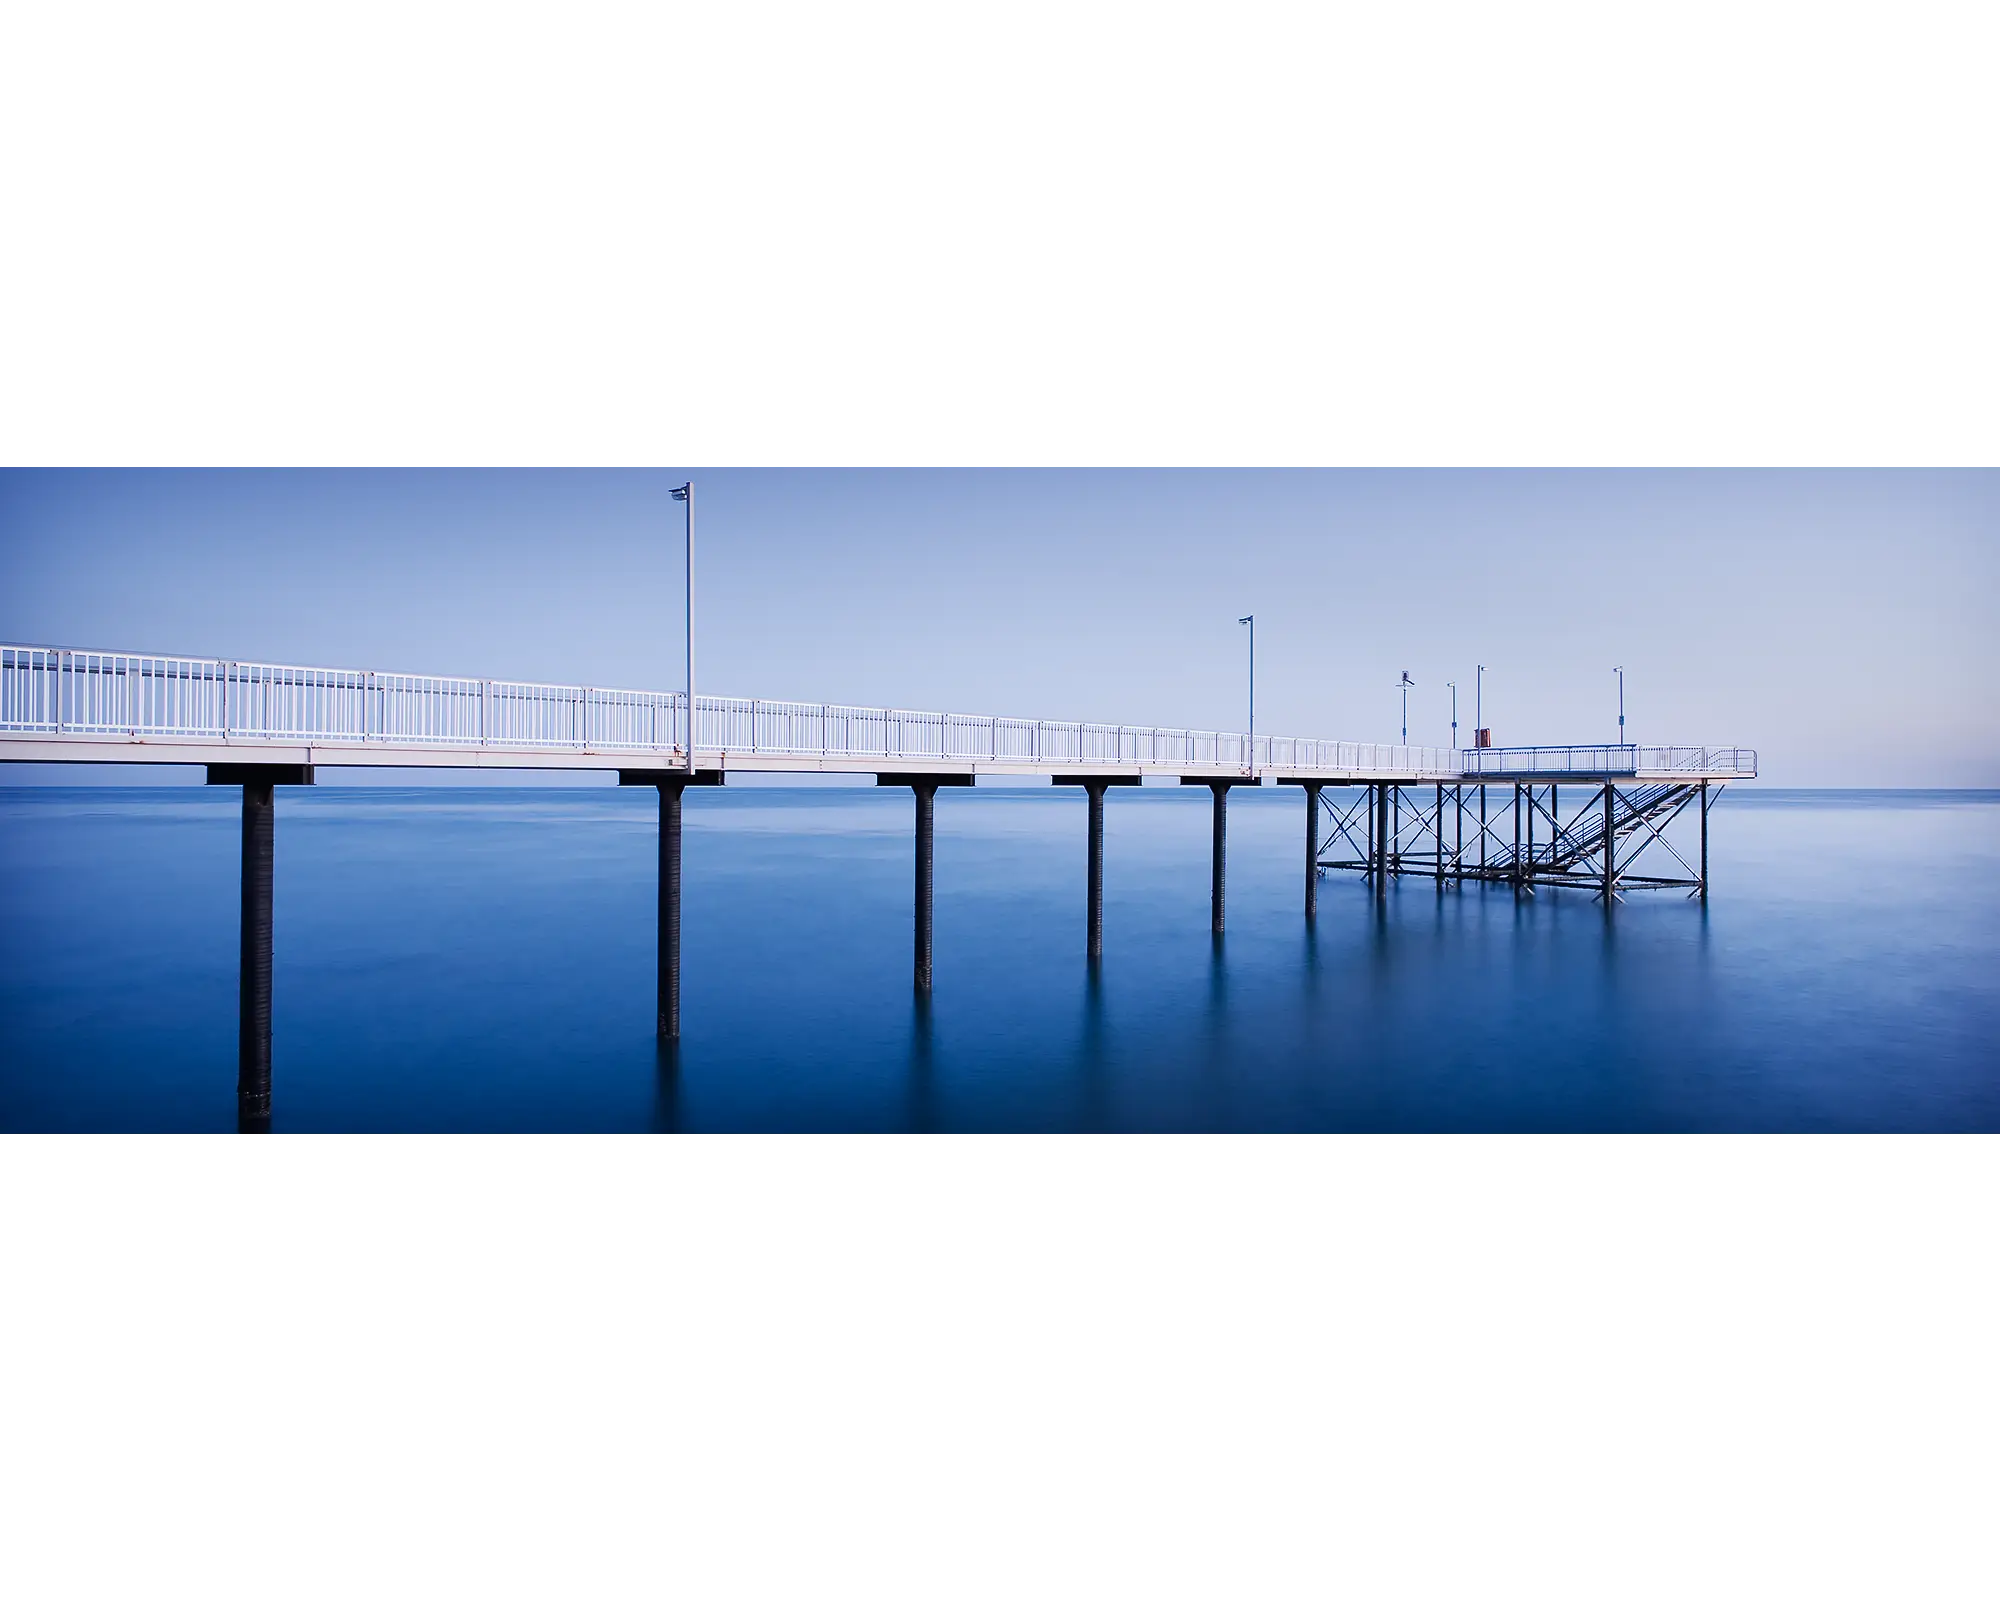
(1251, 618)
(1408, 682)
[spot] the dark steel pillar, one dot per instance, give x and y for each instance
(1381, 841)
(253, 973)
(1703, 799)
(1531, 828)
(1610, 848)
(1482, 827)
(926, 794)
(1438, 821)
(1396, 827)
(1095, 873)
(669, 988)
(1312, 849)
(924, 785)
(1217, 846)
(1517, 837)
(253, 1037)
(1458, 832)
(1371, 833)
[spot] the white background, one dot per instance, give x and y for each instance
(1027, 235)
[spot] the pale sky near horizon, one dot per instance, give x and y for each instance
(1840, 622)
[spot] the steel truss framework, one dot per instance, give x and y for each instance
(1577, 835)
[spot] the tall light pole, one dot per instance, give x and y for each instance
(1454, 713)
(685, 493)
(1406, 686)
(1621, 703)
(1252, 620)
(1478, 704)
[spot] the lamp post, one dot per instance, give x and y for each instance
(1621, 703)
(1406, 686)
(1252, 620)
(1453, 687)
(1478, 704)
(685, 494)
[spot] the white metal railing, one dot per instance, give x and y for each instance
(99, 692)
(1614, 760)
(48, 691)
(103, 693)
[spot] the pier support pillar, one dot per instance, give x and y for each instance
(1312, 787)
(1517, 838)
(1381, 841)
(1458, 833)
(1312, 848)
(253, 980)
(1530, 864)
(1094, 876)
(1610, 849)
(925, 786)
(1702, 800)
(1093, 911)
(1218, 843)
(1437, 818)
(253, 971)
(926, 794)
(667, 993)
(1218, 849)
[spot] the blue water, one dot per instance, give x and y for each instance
(482, 959)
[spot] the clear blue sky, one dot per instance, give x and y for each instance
(1842, 623)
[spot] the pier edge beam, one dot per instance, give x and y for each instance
(1218, 845)
(1312, 787)
(924, 786)
(667, 994)
(1094, 785)
(253, 972)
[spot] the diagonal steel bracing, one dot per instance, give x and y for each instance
(1598, 836)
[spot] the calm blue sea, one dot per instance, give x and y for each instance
(483, 959)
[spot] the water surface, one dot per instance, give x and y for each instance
(484, 959)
